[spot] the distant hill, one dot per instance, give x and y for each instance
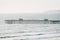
(53, 14)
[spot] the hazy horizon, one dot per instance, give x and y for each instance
(30, 16)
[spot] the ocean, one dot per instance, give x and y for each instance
(30, 32)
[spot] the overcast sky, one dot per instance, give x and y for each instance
(28, 6)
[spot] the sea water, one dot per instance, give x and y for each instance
(30, 32)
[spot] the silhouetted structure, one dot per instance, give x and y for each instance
(21, 21)
(45, 19)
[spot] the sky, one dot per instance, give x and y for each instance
(28, 6)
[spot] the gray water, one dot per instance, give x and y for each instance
(29, 32)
